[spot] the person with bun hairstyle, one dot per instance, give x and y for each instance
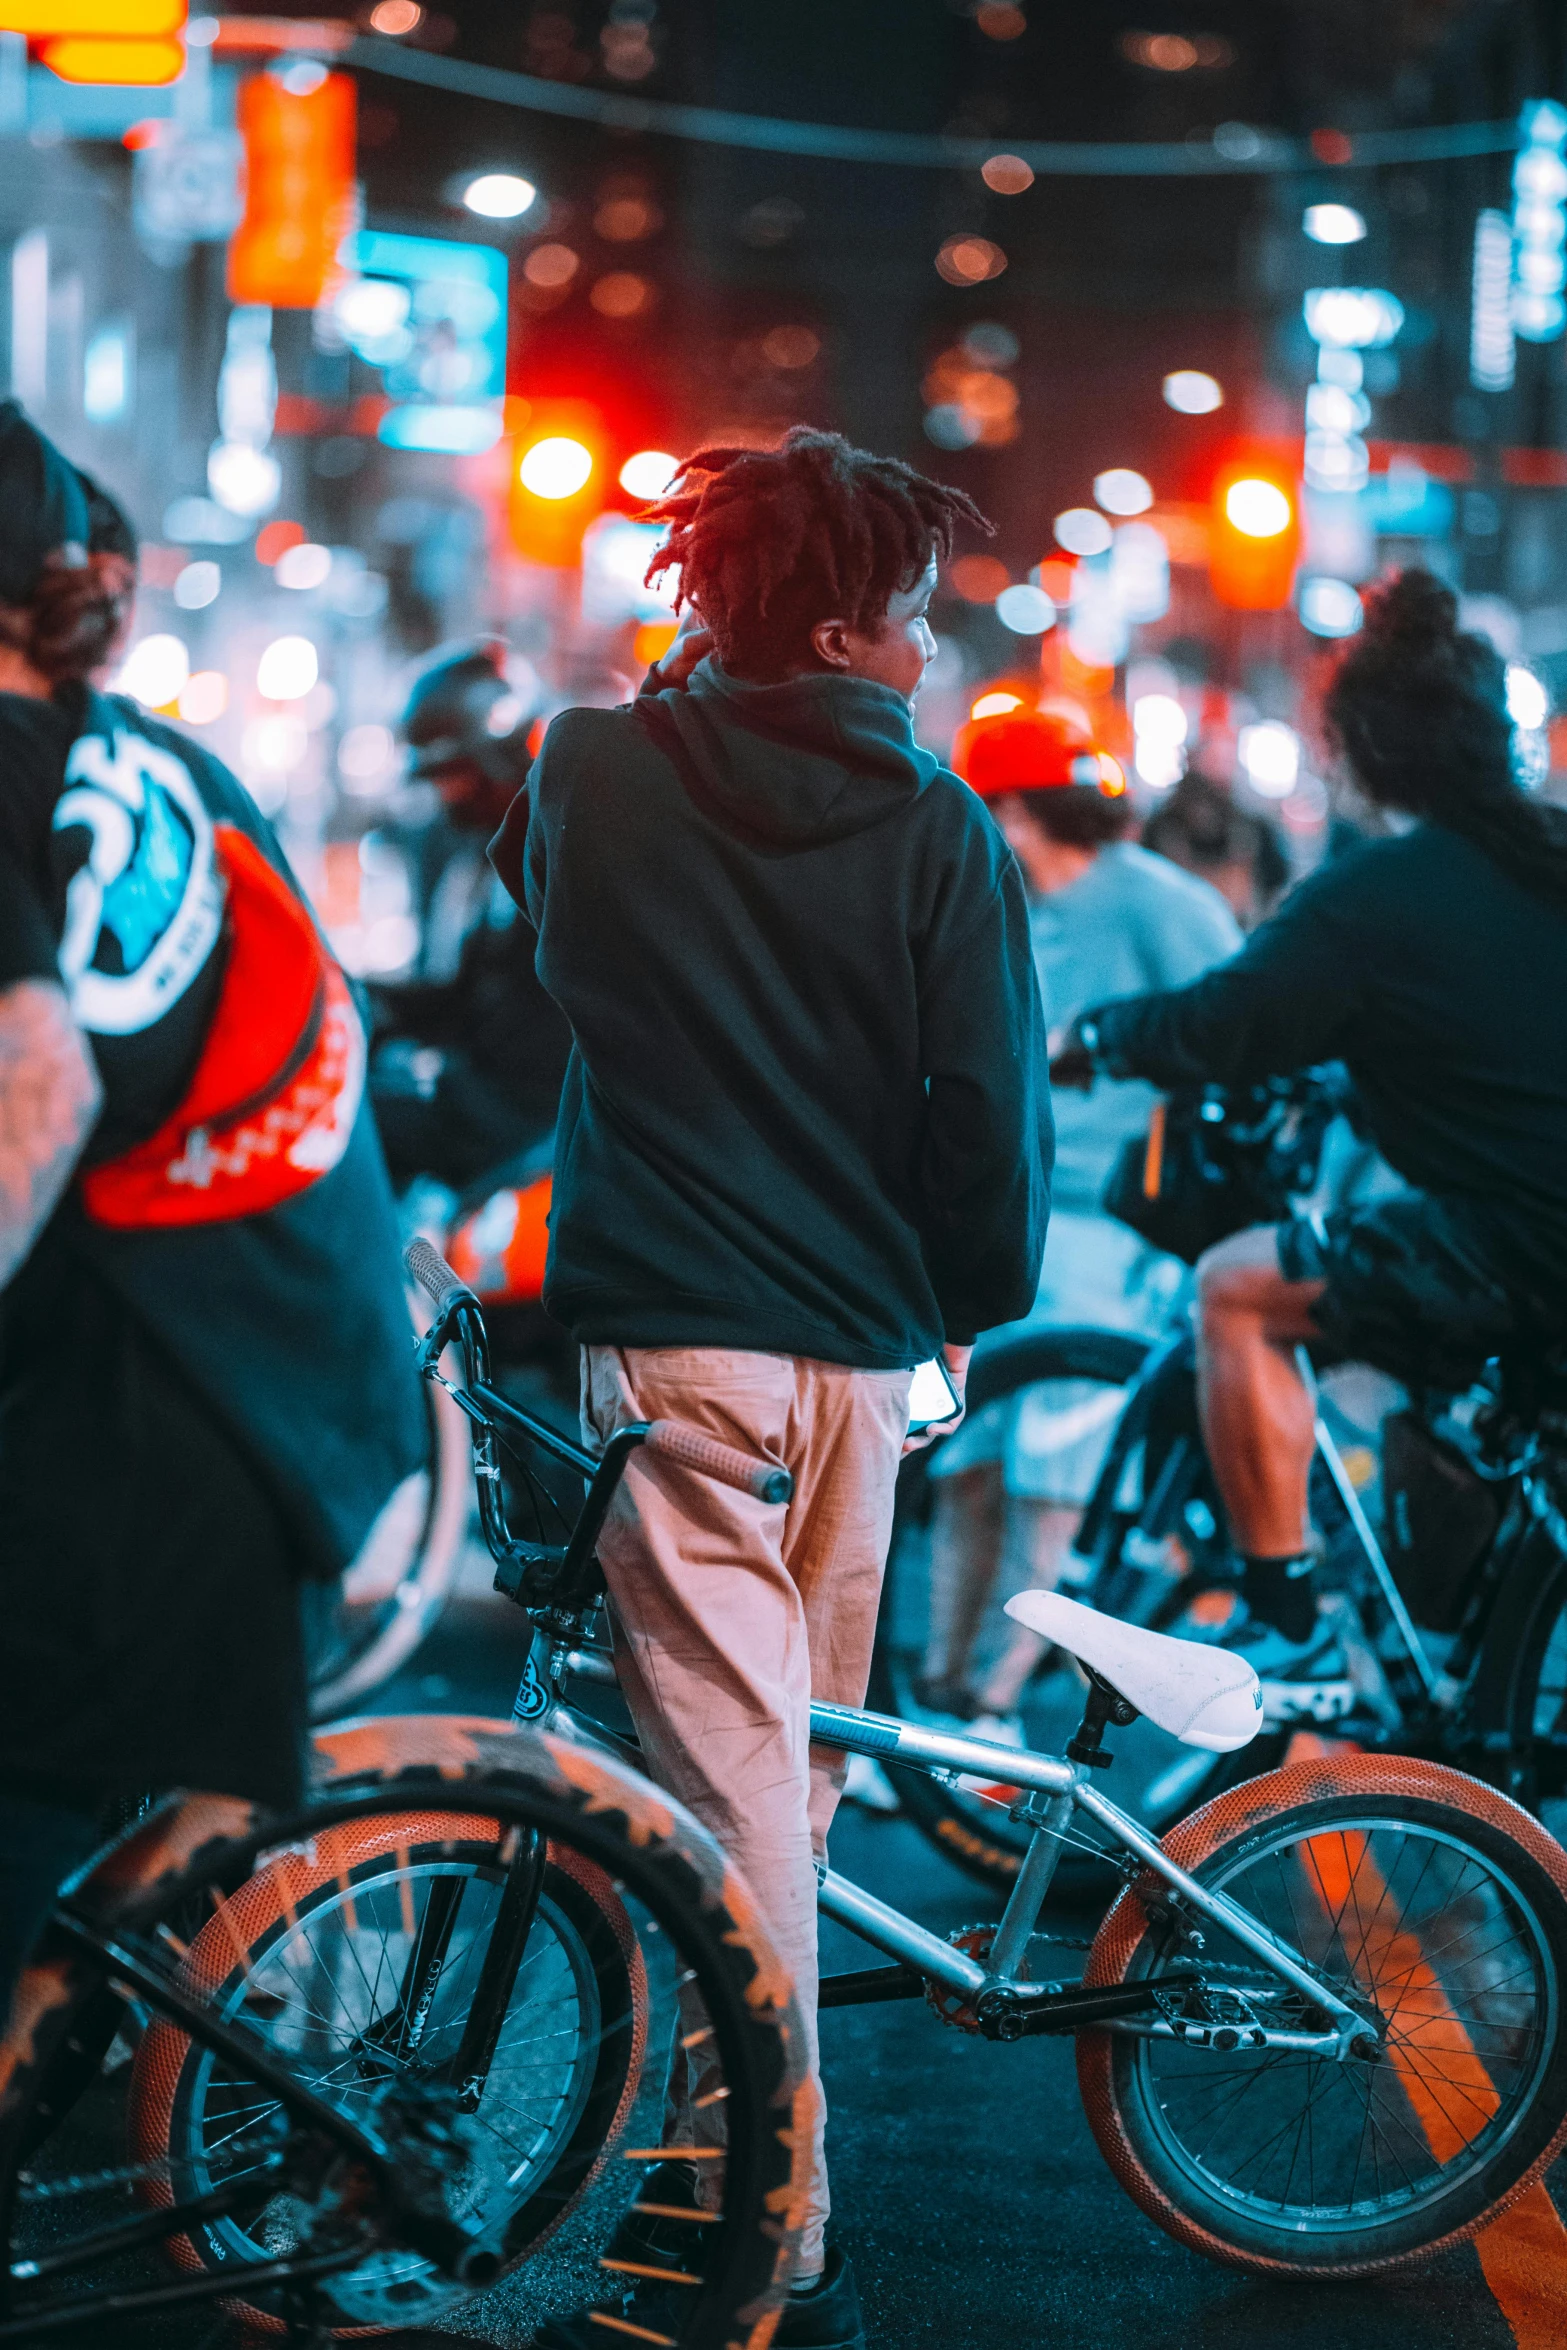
(206, 1393)
(1433, 962)
(804, 1144)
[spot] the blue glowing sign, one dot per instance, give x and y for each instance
(431, 314)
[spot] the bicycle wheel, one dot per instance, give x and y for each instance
(350, 1943)
(1439, 1910)
(360, 1630)
(959, 1544)
(1518, 1701)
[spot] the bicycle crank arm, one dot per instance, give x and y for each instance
(1225, 2038)
(1019, 2011)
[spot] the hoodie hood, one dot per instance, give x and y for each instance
(812, 759)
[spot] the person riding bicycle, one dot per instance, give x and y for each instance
(205, 1385)
(470, 1055)
(805, 1144)
(1104, 915)
(1433, 963)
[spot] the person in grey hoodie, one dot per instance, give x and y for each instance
(805, 1143)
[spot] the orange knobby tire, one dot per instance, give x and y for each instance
(343, 1863)
(1485, 2142)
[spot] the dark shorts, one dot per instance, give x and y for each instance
(1413, 1288)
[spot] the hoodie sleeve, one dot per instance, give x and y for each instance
(989, 1136)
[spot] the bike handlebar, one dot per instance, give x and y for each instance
(429, 1268)
(763, 1480)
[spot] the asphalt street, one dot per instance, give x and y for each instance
(967, 2187)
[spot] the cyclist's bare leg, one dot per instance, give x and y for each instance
(965, 1555)
(1257, 1417)
(1039, 1534)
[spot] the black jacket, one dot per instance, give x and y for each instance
(808, 1109)
(1442, 983)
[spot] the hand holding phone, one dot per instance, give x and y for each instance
(936, 1397)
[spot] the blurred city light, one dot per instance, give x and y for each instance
(364, 756)
(154, 672)
(1528, 703)
(1027, 611)
(197, 585)
(1121, 491)
(204, 697)
(1081, 531)
(1140, 571)
(396, 17)
(444, 366)
(556, 468)
(118, 62)
(370, 310)
(1007, 175)
(1333, 224)
(1539, 224)
(1357, 318)
(648, 474)
(243, 479)
(1329, 607)
(1159, 738)
(1193, 393)
(1256, 507)
(456, 432)
(1270, 755)
(499, 195)
(970, 261)
(996, 705)
(299, 127)
(304, 566)
(106, 374)
(287, 669)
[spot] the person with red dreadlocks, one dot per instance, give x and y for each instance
(805, 1144)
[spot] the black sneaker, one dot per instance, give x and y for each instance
(829, 2317)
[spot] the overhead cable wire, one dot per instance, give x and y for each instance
(1236, 148)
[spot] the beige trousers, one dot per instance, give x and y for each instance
(730, 1614)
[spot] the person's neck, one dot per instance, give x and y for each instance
(1053, 865)
(18, 676)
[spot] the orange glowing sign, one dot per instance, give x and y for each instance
(299, 195)
(81, 58)
(118, 20)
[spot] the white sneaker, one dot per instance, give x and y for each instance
(1302, 1680)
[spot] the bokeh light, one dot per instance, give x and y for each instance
(287, 669)
(996, 705)
(1121, 491)
(979, 579)
(1191, 393)
(620, 293)
(1528, 703)
(970, 261)
(556, 468)
(1333, 224)
(1258, 509)
(304, 566)
(499, 195)
(396, 17)
(1329, 607)
(1027, 611)
(204, 696)
(648, 474)
(550, 267)
(364, 755)
(1270, 755)
(1081, 531)
(1007, 175)
(154, 672)
(197, 585)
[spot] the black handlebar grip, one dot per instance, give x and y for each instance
(429, 1268)
(763, 1480)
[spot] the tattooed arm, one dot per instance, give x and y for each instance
(49, 1099)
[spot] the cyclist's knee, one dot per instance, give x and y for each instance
(1237, 1277)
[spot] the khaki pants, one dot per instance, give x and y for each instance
(730, 1614)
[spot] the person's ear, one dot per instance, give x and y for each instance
(830, 643)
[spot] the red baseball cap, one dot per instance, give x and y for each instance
(1031, 750)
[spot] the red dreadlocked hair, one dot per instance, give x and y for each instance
(768, 542)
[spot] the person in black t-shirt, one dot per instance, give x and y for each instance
(1433, 963)
(205, 1386)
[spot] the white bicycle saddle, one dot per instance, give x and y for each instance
(1201, 1695)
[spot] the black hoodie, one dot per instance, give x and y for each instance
(808, 1110)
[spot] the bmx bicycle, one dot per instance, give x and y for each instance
(1442, 1516)
(1320, 2029)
